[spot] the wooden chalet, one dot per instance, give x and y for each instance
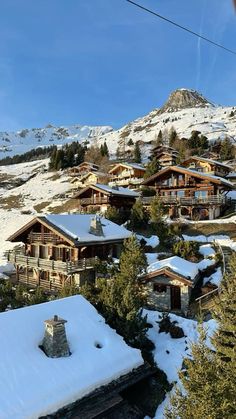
(83, 168)
(89, 178)
(212, 167)
(101, 197)
(189, 193)
(126, 174)
(167, 156)
(61, 249)
(169, 283)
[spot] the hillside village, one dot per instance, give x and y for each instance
(118, 241)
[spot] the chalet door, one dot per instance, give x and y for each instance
(175, 298)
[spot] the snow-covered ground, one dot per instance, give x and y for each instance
(169, 353)
(19, 142)
(212, 121)
(18, 204)
(223, 240)
(33, 385)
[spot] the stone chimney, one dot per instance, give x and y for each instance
(55, 343)
(96, 226)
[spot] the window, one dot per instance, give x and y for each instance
(180, 193)
(159, 288)
(200, 194)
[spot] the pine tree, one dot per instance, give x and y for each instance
(122, 299)
(132, 260)
(160, 138)
(172, 137)
(208, 385)
(137, 153)
(152, 167)
(156, 210)
(195, 397)
(227, 151)
(138, 216)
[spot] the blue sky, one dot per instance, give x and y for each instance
(104, 62)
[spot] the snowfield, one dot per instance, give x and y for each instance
(212, 121)
(19, 142)
(169, 353)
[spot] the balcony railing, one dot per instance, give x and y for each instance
(125, 182)
(52, 265)
(184, 200)
(44, 238)
(94, 201)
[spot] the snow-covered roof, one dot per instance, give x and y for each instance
(193, 172)
(131, 165)
(117, 190)
(217, 163)
(176, 264)
(33, 385)
(77, 226)
(231, 175)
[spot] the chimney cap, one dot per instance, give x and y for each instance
(55, 320)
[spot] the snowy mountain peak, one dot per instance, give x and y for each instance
(19, 142)
(184, 98)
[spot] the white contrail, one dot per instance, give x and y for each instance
(225, 14)
(198, 76)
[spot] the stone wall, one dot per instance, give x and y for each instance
(162, 300)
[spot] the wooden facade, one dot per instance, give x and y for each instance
(83, 168)
(166, 156)
(89, 178)
(188, 193)
(208, 166)
(50, 258)
(127, 174)
(102, 197)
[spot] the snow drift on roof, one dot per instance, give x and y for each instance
(118, 191)
(32, 384)
(176, 264)
(77, 226)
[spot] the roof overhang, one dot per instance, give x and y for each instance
(168, 272)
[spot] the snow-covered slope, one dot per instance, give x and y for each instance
(19, 142)
(185, 111)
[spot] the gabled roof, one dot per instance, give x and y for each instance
(75, 228)
(96, 173)
(231, 175)
(33, 385)
(128, 165)
(214, 179)
(88, 163)
(203, 159)
(184, 269)
(109, 190)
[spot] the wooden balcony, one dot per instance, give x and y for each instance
(30, 281)
(51, 265)
(126, 182)
(184, 200)
(44, 238)
(94, 201)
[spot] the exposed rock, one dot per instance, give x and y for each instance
(184, 98)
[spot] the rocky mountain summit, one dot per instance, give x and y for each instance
(185, 110)
(183, 99)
